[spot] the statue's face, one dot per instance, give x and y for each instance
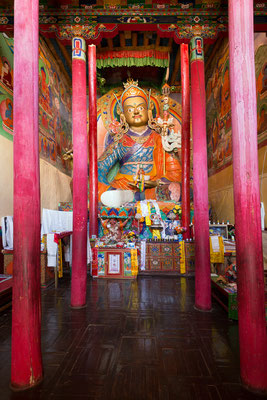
(135, 111)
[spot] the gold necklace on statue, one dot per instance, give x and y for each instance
(141, 139)
(138, 132)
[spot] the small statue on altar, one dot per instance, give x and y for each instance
(113, 229)
(137, 146)
(140, 179)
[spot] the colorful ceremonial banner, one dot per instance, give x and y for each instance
(134, 261)
(133, 58)
(182, 257)
(60, 259)
(216, 249)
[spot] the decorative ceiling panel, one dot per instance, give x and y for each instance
(132, 4)
(154, 4)
(180, 19)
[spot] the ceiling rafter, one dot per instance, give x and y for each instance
(110, 43)
(122, 39)
(146, 39)
(134, 39)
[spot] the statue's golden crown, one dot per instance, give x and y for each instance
(131, 89)
(130, 82)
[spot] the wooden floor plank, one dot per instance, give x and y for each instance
(133, 341)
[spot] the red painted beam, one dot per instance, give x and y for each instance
(185, 140)
(251, 308)
(26, 360)
(93, 171)
(80, 175)
(200, 176)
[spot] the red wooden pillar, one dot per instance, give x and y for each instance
(251, 309)
(26, 360)
(93, 172)
(185, 140)
(80, 175)
(200, 176)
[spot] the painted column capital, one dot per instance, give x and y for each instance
(78, 48)
(197, 49)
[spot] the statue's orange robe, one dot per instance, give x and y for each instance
(172, 167)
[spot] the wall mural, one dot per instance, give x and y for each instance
(6, 86)
(125, 3)
(261, 84)
(54, 105)
(54, 112)
(219, 134)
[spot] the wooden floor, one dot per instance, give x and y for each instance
(138, 340)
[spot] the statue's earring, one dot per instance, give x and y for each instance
(151, 121)
(122, 118)
(150, 116)
(124, 124)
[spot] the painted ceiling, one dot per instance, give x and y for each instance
(103, 21)
(133, 4)
(157, 4)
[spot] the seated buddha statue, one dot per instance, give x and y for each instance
(138, 147)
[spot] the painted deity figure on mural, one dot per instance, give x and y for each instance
(137, 146)
(6, 76)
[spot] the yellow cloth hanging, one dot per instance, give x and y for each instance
(60, 263)
(217, 256)
(138, 208)
(148, 220)
(182, 257)
(134, 262)
(156, 233)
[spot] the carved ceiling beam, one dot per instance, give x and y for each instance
(91, 33)
(164, 49)
(122, 39)
(128, 35)
(110, 43)
(146, 39)
(134, 39)
(158, 41)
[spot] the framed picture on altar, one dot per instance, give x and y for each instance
(114, 263)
